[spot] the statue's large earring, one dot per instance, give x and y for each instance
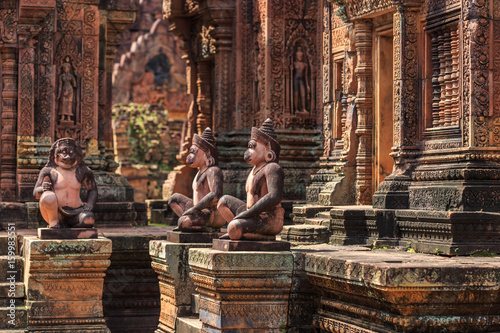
(211, 160)
(270, 156)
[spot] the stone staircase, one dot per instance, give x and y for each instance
(311, 225)
(12, 290)
(191, 324)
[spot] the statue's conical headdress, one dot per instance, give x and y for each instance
(265, 135)
(207, 143)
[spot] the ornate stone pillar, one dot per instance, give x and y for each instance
(64, 282)
(364, 97)
(8, 41)
(204, 99)
(222, 70)
(393, 191)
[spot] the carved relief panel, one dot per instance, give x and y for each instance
(76, 63)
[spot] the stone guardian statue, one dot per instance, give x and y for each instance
(58, 187)
(261, 217)
(200, 212)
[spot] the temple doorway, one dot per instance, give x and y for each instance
(383, 107)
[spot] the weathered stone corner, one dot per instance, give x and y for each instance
(64, 282)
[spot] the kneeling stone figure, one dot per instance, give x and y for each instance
(58, 187)
(262, 217)
(200, 212)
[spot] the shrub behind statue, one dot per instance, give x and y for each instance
(58, 187)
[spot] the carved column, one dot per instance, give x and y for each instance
(364, 74)
(223, 91)
(8, 39)
(204, 99)
(26, 170)
(393, 191)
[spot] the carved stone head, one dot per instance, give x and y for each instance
(205, 142)
(66, 153)
(265, 135)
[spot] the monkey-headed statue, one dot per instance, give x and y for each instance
(200, 212)
(261, 218)
(58, 187)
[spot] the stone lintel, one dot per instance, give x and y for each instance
(241, 245)
(67, 233)
(192, 237)
(64, 282)
(242, 291)
(397, 291)
(170, 261)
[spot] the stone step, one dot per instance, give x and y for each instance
(188, 325)
(20, 321)
(4, 243)
(195, 304)
(5, 289)
(8, 268)
(305, 234)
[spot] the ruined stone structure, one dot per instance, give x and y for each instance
(248, 61)
(56, 63)
(409, 117)
(149, 68)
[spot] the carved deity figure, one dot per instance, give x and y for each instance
(301, 87)
(200, 212)
(261, 218)
(58, 187)
(65, 95)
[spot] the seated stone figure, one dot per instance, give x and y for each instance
(261, 218)
(200, 212)
(58, 187)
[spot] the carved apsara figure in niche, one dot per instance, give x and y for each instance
(261, 218)
(58, 187)
(301, 86)
(200, 212)
(65, 94)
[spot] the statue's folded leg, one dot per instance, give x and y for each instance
(180, 203)
(50, 209)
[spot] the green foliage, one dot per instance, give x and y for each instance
(143, 132)
(381, 248)
(486, 253)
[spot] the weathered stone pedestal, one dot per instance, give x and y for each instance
(393, 291)
(170, 261)
(64, 283)
(242, 291)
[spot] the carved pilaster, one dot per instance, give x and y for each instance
(204, 98)
(222, 70)
(393, 191)
(364, 74)
(8, 25)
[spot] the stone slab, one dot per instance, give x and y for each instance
(67, 233)
(399, 291)
(192, 237)
(241, 245)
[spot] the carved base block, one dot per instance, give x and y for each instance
(67, 233)
(192, 237)
(302, 214)
(242, 291)
(305, 234)
(456, 195)
(64, 284)
(241, 245)
(170, 261)
(450, 233)
(392, 193)
(351, 225)
(396, 291)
